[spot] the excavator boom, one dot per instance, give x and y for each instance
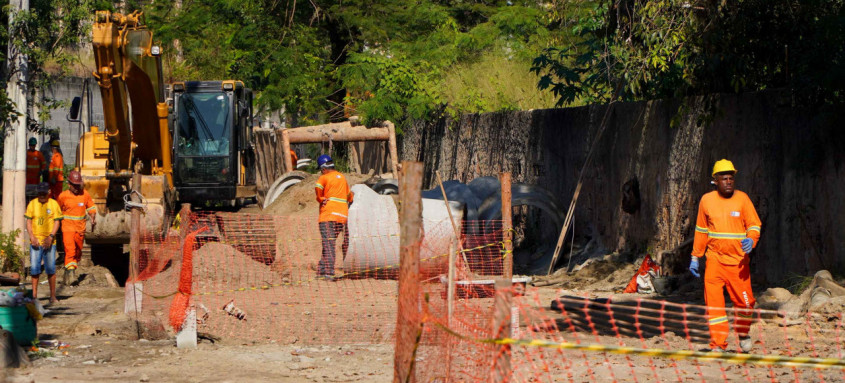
(128, 72)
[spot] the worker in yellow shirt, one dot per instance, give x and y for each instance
(43, 217)
(726, 230)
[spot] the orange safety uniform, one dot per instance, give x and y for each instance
(293, 158)
(57, 178)
(75, 209)
(35, 164)
(333, 189)
(721, 225)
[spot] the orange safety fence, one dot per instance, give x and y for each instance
(254, 277)
(556, 336)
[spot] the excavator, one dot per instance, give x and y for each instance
(194, 147)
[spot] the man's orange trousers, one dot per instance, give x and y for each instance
(737, 280)
(73, 248)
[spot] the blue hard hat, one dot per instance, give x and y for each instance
(323, 159)
(33, 140)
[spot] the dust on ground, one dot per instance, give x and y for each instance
(299, 199)
(103, 345)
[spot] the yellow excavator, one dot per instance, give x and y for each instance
(211, 123)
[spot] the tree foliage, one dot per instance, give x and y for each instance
(389, 59)
(47, 35)
(637, 49)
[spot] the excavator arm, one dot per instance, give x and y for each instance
(129, 74)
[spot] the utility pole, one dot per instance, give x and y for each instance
(14, 149)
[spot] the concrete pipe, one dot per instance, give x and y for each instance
(281, 184)
(374, 235)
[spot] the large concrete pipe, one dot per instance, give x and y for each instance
(374, 235)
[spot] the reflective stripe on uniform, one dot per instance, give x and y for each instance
(319, 186)
(338, 214)
(716, 235)
(718, 320)
(755, 228)
(75, 217)
(701, 229)
(333, 199)
(94, 208)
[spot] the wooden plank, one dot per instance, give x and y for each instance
(408, 325)
(507, 225)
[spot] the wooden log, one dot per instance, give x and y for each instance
(507, 225)
(289, 165)
(391, 146)
(408, 325)
(135, 226)
(354, 159)
(340, 132)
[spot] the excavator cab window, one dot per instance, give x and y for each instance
(204, 124)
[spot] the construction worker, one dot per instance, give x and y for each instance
(77, 206)
(334, 197)
(726, 230)
(35, 163)
(293, 159)
(43, 216)
(56, 170)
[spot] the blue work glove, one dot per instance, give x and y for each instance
(693, 267)
(747, 245)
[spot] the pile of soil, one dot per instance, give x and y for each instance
(219, 266)
(599, 275)
(299, 199)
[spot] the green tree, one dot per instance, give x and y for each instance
(637, 49)
(47, 35)
(389, 59)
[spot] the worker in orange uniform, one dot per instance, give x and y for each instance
(35, 163)
(77, 206)
(726, 230)
(334, 197)
(57, 167)
(293, 159)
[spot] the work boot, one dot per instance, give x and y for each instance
(717, 349)
(66, 278)
(745, 343)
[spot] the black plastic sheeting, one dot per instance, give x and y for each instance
(483, 201)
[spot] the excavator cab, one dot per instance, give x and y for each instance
(213, 153)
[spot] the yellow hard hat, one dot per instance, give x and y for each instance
(55, 143)
(723, 165)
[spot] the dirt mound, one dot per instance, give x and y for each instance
(218, 266)
(299, 199)
(607, 274)
(96, 276)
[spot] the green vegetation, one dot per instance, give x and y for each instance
(388, 59)
(11, 255)
(634, 50)
(399, 60)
